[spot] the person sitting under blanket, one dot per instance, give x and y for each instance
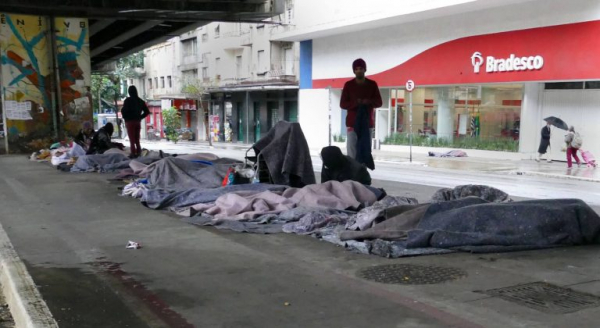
(339, 167)
(85, 135)
(101, 141)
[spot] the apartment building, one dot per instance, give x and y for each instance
(250, 81)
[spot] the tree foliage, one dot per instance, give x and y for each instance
(129, 67)
(197, 89)
(172, 123)
(111, 85)
(103, 86)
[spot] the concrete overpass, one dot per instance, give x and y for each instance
(119, 28)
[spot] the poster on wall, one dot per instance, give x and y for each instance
(73, 56)
(26, 80)
(214, 125)
(18, 111)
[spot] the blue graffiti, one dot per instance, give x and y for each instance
(77, 44)
(28, 46)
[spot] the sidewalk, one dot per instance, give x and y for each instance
(556, 169)
(483, 161)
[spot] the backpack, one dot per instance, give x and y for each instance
(577, 141)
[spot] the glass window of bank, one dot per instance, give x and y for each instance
(472, 117)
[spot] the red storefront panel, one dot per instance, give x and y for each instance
(569, 52)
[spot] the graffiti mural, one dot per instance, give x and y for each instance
(29, 84)
(26, 78)
(74, 68)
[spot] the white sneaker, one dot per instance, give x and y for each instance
(549, 161)
(537, 159)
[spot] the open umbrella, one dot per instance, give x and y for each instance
(557, 122)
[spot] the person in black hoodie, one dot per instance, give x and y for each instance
(339, 167)
(101, 141)
(133, 112)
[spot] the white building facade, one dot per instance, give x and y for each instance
(487, 72)
(250, 80)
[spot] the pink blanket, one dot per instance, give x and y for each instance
(331, 194)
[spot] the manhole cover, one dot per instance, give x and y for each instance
(410, 274)
(546, 297)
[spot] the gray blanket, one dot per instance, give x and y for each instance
(299, 220)
(452, 153)
(162, 199)
(487, 193)
(176, 174)
(107, 162)
(475, 225)
(286, 153)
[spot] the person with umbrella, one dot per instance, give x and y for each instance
(544, 142)
(546, 131)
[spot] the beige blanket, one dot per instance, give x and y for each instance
(331, 194)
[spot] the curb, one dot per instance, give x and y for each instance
(24, 300)
(550, 175)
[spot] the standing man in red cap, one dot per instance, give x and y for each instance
(357, 92)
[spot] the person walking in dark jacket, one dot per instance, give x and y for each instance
(358, 94)
(544, 143)
(133, 112)
(339, 167)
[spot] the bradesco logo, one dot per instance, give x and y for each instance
(510, 64)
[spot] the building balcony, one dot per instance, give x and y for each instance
(189, 59)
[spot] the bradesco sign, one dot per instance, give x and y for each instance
(511, 64)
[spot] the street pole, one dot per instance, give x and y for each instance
(329, 115)
(410, 119)
(247, 117)
(57, 89)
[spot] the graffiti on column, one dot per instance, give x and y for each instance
(26, 78)
(73, 58)
(28, 82)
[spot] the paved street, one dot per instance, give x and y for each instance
(71, 231)
(550, 180)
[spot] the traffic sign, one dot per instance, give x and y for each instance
(410, 85)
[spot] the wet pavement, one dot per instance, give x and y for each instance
(494, 163)
(71, 230)
(79, 298)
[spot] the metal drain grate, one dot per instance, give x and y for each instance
(546, 297)
(410, 274)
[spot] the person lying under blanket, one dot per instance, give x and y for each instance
(339, 167)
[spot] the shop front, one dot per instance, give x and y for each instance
(245, 115)
(189, 118)
(470, 116)
(154, 120)
(188, 110)
(487, 91)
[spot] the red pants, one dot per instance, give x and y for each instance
(133, 131)
(572, 152)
